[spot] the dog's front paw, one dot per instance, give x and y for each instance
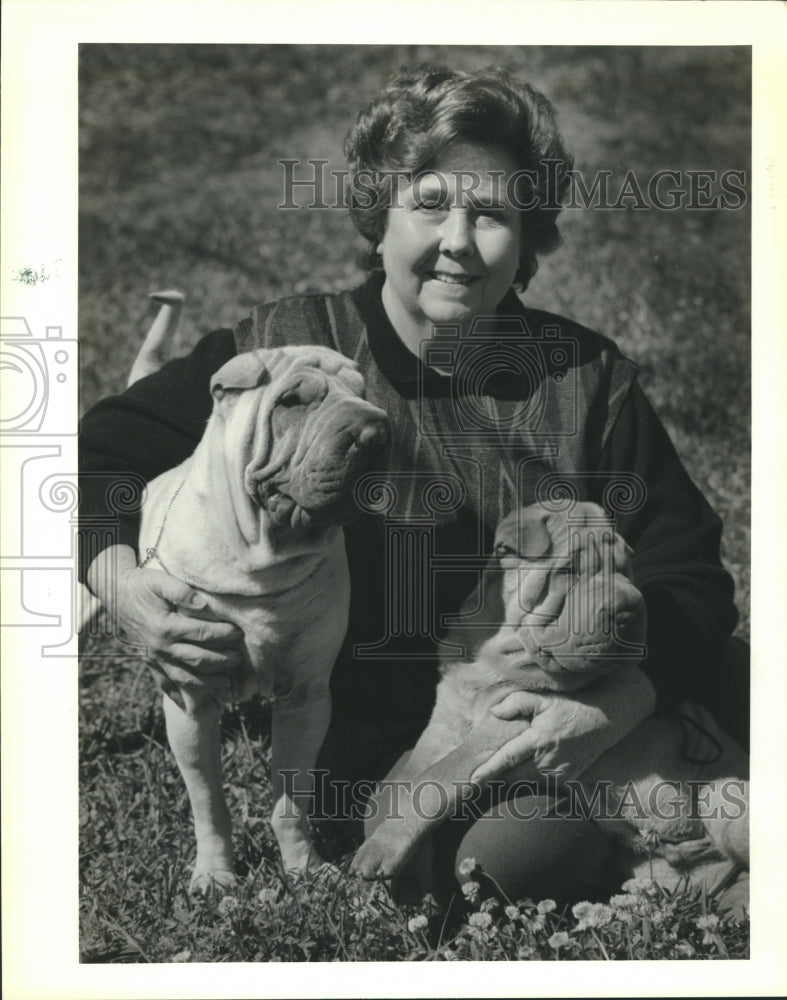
(378, 858)
(212, 883)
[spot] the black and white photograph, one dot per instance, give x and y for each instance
(410, 548)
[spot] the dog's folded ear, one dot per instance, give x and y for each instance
(535, 541)
(246, 371)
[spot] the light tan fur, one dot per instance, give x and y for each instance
(250, 521)
(561, 585)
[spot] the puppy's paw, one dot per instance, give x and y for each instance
(212, 883)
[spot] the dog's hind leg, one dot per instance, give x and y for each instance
(195, 738)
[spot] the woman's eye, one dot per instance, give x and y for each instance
(429, 204)
(496, 215)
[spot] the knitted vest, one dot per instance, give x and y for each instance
(530, 403)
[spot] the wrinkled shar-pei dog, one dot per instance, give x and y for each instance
(560, 583)
(253, 521)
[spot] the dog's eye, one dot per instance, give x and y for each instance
(501, 549)
(290, 399)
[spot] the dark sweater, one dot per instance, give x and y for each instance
(532, 395)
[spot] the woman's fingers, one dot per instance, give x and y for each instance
(203, 661)
(182, 628)
(512, 754)
(518, 705)
(179, 677)
(171, 590)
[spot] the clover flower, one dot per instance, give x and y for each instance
(418, 923)
(640, 886)
(559, 940)
(623, 902)
(227, 905)
(482, 921)
(268, 895)
(512, 912)
(470, 890)
(591, 915)
(546, 906)
(181, 956)
(467, 866)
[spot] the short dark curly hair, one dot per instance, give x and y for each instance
(421, 111)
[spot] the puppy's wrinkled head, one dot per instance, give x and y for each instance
(566, 589)
(303, 429)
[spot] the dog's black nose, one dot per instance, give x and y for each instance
(373, 434)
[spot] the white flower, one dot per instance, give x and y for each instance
(182, 956)
(227, 905)
(268, 895)
(418, 923)
(708, 923)
(626, 903)
(489, 904)
(467, 866)
(471, 890)
(640, 886)
(512, 912)
(480, 920)
(546, 906)
(558, 940)
(591, 915)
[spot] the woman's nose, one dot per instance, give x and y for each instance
(456, 236)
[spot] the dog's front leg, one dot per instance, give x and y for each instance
(195, 737)
(426, 800)
(300, 723)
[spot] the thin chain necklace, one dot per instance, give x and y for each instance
(152, 552)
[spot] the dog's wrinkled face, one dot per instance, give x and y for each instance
(566, 584)
(306, 431)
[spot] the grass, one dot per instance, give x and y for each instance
(137, 848)
(179, 186)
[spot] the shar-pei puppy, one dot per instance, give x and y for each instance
(560, 583)
(253, 521)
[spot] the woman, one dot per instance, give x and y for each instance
(456, 180)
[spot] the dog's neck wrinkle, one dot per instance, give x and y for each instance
(244, 529)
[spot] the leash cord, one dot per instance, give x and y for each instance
(152, 552)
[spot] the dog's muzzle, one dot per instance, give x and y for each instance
(337, 444)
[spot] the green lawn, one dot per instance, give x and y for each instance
(179, 188)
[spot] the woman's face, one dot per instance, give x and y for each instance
(451, 245)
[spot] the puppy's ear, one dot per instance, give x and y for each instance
(246, 371)
(534, 538)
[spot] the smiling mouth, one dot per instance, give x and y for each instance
(452, 279)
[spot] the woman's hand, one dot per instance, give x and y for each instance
(568, 732)
(147, 606)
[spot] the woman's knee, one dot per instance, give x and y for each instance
(527, 846)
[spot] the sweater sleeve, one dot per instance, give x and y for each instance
(125, 441)
(675, 537)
